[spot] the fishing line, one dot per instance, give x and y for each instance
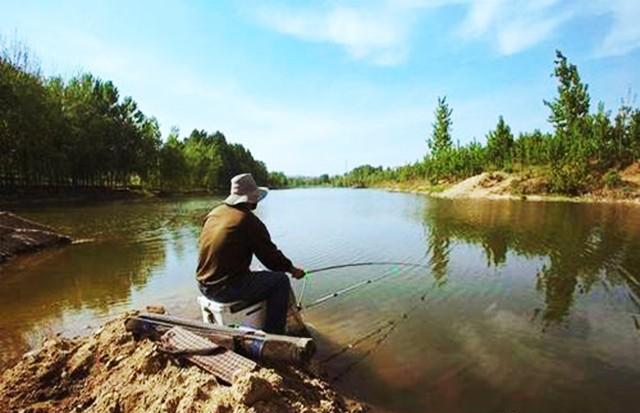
(387, 329)
(351, 287)
(359, 340)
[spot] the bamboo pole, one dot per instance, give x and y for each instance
(255, 344)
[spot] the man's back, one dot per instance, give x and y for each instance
(229, 238)
(224, 245)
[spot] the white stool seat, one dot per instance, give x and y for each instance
(237, 313)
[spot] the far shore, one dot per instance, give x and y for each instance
(499, 185)
(26, 197)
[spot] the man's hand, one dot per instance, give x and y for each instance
(296, 272)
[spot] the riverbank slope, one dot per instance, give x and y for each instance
(20, 236)
(528, 185)
(109, 371)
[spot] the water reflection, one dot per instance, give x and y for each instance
(70, 288)
(530, 307)
(584, 245)
(463, 336)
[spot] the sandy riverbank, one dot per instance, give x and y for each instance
(109, 371)
(521, 186)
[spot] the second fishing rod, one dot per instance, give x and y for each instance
(352, 287)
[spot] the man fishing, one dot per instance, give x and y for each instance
(231, 235)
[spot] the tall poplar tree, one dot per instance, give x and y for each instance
(440, 140)
(571, 107)
(573, 144)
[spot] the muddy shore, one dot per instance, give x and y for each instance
(21, 236)
(109, 371)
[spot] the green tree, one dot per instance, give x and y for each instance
(440, 140)
(500, 144)
(532, 148)
(81, 133)
(634, 135)
(572, 144)
(173, 168)
(570, 109)
(278, 180)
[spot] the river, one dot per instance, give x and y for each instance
(520, 306)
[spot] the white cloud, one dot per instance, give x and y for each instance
(377, 33)
(522, 33)
(624, 34)
(380, 31)
(516, 25)
(480, 17)
(513, 25)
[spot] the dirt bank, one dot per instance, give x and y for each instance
(523, 186)
(21, 236)
(111, 372)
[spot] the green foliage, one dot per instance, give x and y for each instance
(577, 134)
(570, 109)
(581, 148)
(532, 148)
(570, 178)
(81, 133)
(361, 176)
(626, 134)
(278, 180)
(455, 163)
(208, 161)
(312, 181)
(173, 168)
(612, 179)
(633, 134)
(500, 144)
(440, 141)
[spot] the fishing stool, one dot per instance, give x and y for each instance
(238, 313)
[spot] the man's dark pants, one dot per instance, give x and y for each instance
(254, 287)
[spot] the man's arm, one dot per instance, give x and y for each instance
(265, 249)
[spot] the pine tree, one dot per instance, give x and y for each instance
(571, 107)
(573, 143)
(500, 144)
(440, 140)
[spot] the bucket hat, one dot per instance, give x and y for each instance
(244, 189)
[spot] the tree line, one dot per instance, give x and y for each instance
(81, 133)
(585, 150)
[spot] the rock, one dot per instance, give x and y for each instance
(156, 309)
(223, 408)
(252, 388)
(81, 361)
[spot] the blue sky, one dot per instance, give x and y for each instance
(317, 87)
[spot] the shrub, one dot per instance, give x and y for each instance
(571, 178)
(612, 179)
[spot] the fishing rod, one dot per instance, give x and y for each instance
(353, 286)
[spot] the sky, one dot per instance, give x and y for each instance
(314, 87)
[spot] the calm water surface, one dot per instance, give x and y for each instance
(521, 307)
